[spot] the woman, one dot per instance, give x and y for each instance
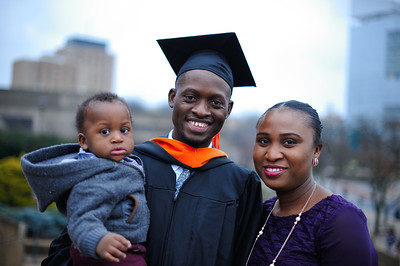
(305, 224)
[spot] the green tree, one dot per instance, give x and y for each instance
(377, 152)
(13, 143)
(336, 152)
(14, 189)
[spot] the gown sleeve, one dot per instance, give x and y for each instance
(248, 220)
(345, 240)
(59, 251)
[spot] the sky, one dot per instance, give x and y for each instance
(296, 49)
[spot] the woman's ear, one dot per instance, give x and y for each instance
(317, 151)
(82, 141)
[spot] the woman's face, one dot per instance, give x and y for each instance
(284, 149)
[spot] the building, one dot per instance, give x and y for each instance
(44, 94)
(374, 62)
(53, 114)
(39, 112)
(81, 66)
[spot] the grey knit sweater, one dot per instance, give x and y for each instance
(96, 190)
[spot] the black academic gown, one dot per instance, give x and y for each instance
(213, 221)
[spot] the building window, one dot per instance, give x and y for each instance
(17, 123)
(393, 55)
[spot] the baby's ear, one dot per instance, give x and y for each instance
(82, 141)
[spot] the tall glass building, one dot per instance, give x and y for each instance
(373, 88)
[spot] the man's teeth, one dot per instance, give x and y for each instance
(198, 124)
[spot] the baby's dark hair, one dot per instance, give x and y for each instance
(99, 97)
(314, 120)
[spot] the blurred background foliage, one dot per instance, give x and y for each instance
(14, 189)
(16, 197)
(43, 225)
(14, 143)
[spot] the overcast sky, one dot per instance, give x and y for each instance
(296, 49)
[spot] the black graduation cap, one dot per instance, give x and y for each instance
(219, 53)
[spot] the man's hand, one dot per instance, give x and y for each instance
(112, 247)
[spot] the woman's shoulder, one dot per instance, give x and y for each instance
(335, 208)
(345, 232)
(334, 204)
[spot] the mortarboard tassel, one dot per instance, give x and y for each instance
(215, 141)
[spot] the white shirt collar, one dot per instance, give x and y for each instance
(170, 137)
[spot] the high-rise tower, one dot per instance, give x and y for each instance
(374, 62)
(82, 66)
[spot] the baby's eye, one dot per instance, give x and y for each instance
(124, 130)
(105, 131)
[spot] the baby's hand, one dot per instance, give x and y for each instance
(112, 247)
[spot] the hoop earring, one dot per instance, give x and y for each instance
(315, 162)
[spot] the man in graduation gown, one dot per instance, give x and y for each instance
(204, 209)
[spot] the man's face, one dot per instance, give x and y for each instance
(201, 103)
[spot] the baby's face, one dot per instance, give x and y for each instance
(107, 130)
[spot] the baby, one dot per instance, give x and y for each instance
(98, 185)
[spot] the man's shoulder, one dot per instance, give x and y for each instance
(232, 168)
(146, 147)
(236, 166)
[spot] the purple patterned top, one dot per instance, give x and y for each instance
(332, 232)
